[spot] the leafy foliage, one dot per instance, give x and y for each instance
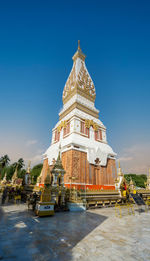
(138, 180)
(10, 169)
(4, 161)
(35, 172)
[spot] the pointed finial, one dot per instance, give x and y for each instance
(119, 169)
(149, 172)
(131, 181)
(79, 53)
(29, 164)
(79, 48)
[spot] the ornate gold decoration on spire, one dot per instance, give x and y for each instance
(79, 80)
(79, 53)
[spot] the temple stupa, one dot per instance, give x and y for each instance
(81, 135)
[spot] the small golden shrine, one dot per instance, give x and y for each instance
(120, 179)
(27, 175)
(131, 185)
(45, 207)
(58, 173)
(58, 188)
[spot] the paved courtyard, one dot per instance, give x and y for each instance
(92, 235)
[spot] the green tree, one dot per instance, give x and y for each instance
(20, 163)
(138, 180)
(11, 169)
(35, 172)
(4, 161)
(21, 173)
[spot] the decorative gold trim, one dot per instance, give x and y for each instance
(63, 124)
(79, 53)
(89, 123)
(78, 90)
(80, 107)
(87, 110)
(81, 83)
(41, 213)
(82, 119)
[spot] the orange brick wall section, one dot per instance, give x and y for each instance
(76, 165)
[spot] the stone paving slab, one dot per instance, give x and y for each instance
(93, 235)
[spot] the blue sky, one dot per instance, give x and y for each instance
(37, 42)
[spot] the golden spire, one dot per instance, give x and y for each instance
(119, 169)
(28, 169)
(15, 175)
(79, 53)
(131, 181)
(79, 48)
(79, 81)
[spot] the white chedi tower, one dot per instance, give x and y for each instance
(80, 133)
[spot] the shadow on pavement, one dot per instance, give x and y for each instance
(27, 237)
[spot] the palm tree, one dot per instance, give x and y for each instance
(20, 163)
(14, 165)
(4, 161)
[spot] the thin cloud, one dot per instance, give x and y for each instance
(31, 142)
(136, 159)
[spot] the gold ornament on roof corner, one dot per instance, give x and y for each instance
(89, 123)
(63, 124)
